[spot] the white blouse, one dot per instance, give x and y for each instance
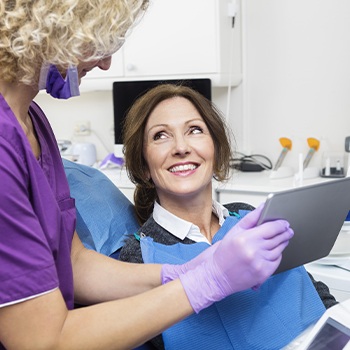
(181, 228)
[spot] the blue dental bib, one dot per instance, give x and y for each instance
(266, 319)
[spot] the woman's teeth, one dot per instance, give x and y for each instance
(185, 167)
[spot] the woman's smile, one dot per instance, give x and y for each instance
(183, 169)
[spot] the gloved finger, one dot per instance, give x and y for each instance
(275, 241)
(264, 270)
(273, 260)
(251, 219)
(272, 266)
(271, 229)
(275, 253)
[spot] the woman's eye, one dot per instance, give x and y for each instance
(196, 130)
(159, 135)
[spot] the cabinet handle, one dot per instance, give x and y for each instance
(130, 67)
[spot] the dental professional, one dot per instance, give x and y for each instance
(175, 142)
(44, 267)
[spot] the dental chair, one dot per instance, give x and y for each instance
(104, 214)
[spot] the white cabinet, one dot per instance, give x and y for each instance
(178, 39)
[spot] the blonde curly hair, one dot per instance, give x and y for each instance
(61, 32)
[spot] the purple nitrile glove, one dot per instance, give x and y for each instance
(170, 272)
(56, 85)
(245, 258)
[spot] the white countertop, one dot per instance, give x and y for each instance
(239, 181)
(262, 182)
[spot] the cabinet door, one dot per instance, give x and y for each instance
(175, 37)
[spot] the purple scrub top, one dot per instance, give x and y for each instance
(37, 214)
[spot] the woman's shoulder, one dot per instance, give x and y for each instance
(10, 130)
(159, 234)
(131, 250)
(236, 206)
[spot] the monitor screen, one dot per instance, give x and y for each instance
(126, 92)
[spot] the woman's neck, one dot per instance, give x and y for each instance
(198, 210)
(19, 98)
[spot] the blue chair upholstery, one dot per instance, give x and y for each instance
(104, 214)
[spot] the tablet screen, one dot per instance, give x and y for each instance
(332, 336)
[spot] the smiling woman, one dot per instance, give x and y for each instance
(179, 152)
(180, 124)
(175, 142)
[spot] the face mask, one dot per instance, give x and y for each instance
(52, 80)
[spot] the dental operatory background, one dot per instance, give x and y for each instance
(291, 73)
(280, 73)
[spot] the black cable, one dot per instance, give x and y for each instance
(252, 162)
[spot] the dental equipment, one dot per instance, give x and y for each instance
(287, 146)
(314, 146)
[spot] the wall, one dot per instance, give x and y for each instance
(296, 83)
(297, 75)
(97, 107)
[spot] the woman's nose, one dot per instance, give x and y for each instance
(105, 63)
(181, 146)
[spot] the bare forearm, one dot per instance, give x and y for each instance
(99, 278)
(120, 324)
(140, 317)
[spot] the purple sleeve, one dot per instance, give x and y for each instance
(27, 266)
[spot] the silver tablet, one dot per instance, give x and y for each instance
(316, 213)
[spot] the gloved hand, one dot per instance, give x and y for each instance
(170, 272)
(246, 257)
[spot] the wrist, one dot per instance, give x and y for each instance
(169, 273)
(201, 287)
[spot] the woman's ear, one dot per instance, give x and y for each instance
(148, 179)
(147, 175)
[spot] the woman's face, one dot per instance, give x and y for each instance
(85, 67)
(178, 149)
